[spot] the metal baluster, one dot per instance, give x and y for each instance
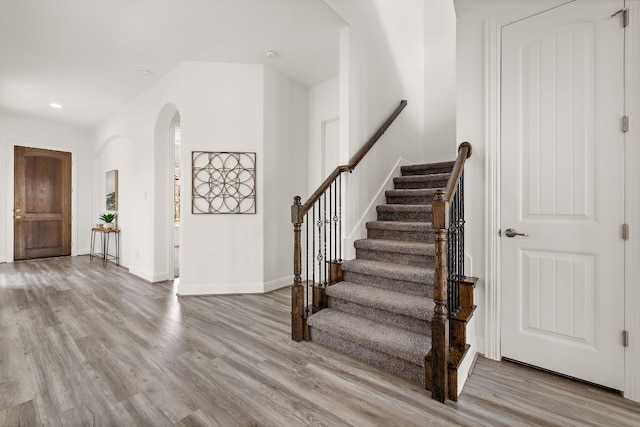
(313, 254)
(331, 236)
(340, 218)
(319, 256)
(306, 217)
(324, 228)
(335, 220)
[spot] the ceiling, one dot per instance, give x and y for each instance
(87, 54)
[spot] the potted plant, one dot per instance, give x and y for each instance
(108, 219)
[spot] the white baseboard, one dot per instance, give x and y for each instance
(272, 285)
(220, 289)
(467, 363)
(233, 288)
(144, 275)
(3, 259)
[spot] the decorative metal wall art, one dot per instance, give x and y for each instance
(223, 183)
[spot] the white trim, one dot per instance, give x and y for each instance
(234, 288)
(221, 289)
(323, 144)
(492, 200)
(142, 274)
(283, 282)
(11, 144)
(632, 204)
(370, 213)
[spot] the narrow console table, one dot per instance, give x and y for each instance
(105, 234)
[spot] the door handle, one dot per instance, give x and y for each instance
(18, 217)
(510, 232)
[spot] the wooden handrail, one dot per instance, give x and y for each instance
(441, 204)
(352, 163)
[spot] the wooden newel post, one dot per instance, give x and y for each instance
(297, 290)
(440, 323)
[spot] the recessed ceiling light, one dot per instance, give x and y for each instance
(271, 54)
(55, 105)
(144, 73)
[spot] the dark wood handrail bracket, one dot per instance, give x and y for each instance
(440, 323)
(325, 199)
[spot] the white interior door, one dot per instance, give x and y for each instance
(562, 183)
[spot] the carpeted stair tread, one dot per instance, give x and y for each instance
(396, 246)
(397, 342)
(404, 208)
(422, 275)
(427, 169)
(400, 226)
(421, 181)
(412, 192)
(384, 299)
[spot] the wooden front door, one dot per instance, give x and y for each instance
(562, 184)
(42, 203)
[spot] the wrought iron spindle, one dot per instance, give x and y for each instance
(319, 256)
(455, 249)
(324, 227)
(340, 218)
(306, 220)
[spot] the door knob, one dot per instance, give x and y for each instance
(18, 210)
(18, 217)
(510, 232)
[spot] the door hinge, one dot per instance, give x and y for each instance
(625, 16)
(625, 231)
(625, 338)
(625, 123)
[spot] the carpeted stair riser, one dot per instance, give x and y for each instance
(408, 287)
(433, 168)
(398, 320)
(395, 365)
(397, 258)
(404, 213)
(419, 196)
(421, 181)
(397, 231)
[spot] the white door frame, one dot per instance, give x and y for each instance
(492, 32)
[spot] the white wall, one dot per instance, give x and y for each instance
(126, 142)
(440, 81)
(222, 107)
(381, 64)
(388, 54)
(16, 131)
(324, 105)
(285, 171)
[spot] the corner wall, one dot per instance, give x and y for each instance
(222, 107)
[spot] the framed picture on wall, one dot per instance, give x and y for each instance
(112, 190)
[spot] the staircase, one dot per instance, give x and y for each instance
(381, 311)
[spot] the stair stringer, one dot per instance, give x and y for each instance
(369, 214)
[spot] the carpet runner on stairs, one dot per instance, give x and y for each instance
(381, 312)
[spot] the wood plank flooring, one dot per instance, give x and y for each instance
(83, 345)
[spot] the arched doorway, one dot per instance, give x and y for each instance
(167, 200)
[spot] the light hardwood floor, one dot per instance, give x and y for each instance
(84, 345)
